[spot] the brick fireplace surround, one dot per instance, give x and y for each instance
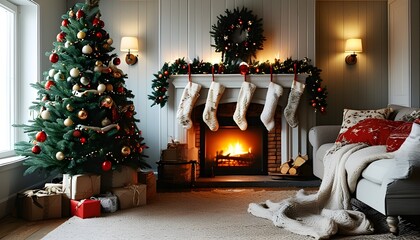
(284, 142)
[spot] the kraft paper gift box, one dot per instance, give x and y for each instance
(149, 179)
(81, 186)
(130, 196)
(35, 205)
(65, 200)
(118, 178)
(85, 208)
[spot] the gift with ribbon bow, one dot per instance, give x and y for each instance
(85, 208)
(81, 186)
(39, 204)
(131, 196)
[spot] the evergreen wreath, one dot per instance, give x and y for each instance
(317, 93)
(237, 35)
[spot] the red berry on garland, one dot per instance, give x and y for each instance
(36, 149)
(48, 84)
(166, 73)
(116, 61)
(243, 68)
(106, 165)
(77, 133)
(314, 104)
(257, 70)
(319, 89)
(41, 136)
(323, 109)
(162, 89)
(65, 23)
(80, 13)
(54, 57)
(82, 140)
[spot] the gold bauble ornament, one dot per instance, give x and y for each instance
(76, 87)
(68, 122)
(125, 151)
(59, 156)
(109, 87)
(69, 108)
(81, 35)
(110, 41)
(98, 63)
(82, 114)
(107, 102)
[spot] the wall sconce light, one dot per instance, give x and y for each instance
(353, 46)
(130, 44)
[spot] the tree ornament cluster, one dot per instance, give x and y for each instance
(85, 116)
(317, 93)
(237, 35)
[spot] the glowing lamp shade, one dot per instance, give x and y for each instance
(353, 46)
(129, 44)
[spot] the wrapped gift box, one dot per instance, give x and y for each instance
(130, 196)
(81, 186)
(35, 205)
(65, 200)
(123, 176)
(86, 208)
(109, 202)
(149, 179)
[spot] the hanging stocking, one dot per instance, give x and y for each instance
(273, 94)
(188, 99)
(209, 115)
(293, 103)
(244, 99)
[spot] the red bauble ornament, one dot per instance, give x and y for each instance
(82, 140)
(48, 84)
(162, 89)
(80, 13)
(61, 36)
(106, 165)
(98, 35)
(166, 73)
(54, 57)
(319, 89)
(120, 89)
(314, 104)
(116, 61)
(323, 109)
(36, 149)
(95, 22)
(65, 23)
(77, 133)
(41, 136)
(243, 68)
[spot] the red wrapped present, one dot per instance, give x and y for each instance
(86, 208)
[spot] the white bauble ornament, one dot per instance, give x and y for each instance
(68, 122)
(76, 87)
(74, 72)
(101, 88)
(84, 80)
(59, 76)
(81, 35)
(87, 49)
(67, 44)
(45, 114)
(59, 156)
(51, 72)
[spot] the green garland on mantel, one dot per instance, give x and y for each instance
(317, 93)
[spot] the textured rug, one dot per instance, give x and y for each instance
(207, 214)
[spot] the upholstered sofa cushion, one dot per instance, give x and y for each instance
(377, 171)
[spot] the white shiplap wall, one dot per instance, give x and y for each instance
(171, 29)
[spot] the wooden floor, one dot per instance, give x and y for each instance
(17, 228)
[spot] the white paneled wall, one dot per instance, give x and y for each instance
(171, 29)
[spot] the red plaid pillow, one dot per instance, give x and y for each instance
(371, 131)
(398, 136)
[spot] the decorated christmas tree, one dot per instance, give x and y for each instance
(85, 120)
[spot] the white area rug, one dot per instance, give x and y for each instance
(213, 214)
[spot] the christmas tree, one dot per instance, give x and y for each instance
(85, 119)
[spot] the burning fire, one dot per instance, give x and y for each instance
(236, 149)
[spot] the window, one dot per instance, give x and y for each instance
(8, 77)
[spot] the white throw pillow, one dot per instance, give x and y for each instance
(408, 155)
(352, 117)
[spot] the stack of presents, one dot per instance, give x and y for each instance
(88, 195)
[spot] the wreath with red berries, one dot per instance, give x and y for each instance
(238, 35)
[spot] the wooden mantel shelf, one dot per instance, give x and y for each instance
(235, 80)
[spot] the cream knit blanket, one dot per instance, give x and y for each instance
(328, 211)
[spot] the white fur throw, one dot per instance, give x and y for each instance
(328, 211)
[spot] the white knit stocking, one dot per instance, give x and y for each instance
(273, 94)
(293, 103)
(244, 99)
(209, 115)
(188, 99)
